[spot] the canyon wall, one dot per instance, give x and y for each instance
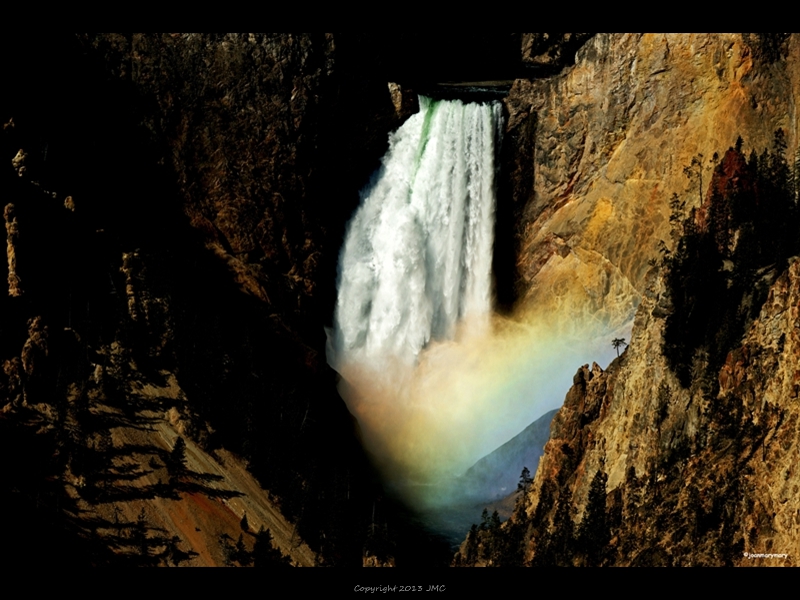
(173, 216)
(174, 207)
(177, 202)
(643, 468)
(600, 150)
(691, 477)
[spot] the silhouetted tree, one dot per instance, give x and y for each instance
(594, 532)
(175, 554)
(525, 481)
(140, 537)
(617, 343)
(494, 522)
(484, 520)
(265, 554)
(177, 457)
(241, 554)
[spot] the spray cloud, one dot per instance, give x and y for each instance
(435, 380)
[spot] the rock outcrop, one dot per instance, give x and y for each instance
(600, 149)
(12, 236)
(691, 478)
(643, 468)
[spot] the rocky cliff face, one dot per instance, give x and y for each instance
(174, 206)
(688, 477)
(600, 149)
(644, 467)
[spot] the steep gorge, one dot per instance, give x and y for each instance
(177, 206)
(203, 183)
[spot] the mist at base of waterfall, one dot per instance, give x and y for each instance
(435, 379)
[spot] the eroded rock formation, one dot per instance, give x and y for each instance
(213, 176)
(692, 478)
(644, 467)
(12, 236)
(602, 147)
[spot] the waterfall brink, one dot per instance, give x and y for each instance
(418, 252)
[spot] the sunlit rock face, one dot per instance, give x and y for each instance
(693, 477)
(716, 473)
(609, 140)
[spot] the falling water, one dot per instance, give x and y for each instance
(435, 379)
(418, 252)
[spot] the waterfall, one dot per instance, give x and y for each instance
(418, 252)
(435, 379)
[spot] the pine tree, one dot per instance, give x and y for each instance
(594, 532)
(525, 481)
(558, 544)
(242, 556)
(140, 537)
(494, 522)
(265, 554)
(484, 520)
(175, 555)
(177, 458)
(510, 550)
(495, 541)
(471, 549)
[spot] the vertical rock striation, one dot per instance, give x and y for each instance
(692, 478)
(606, 143)
(642, 468)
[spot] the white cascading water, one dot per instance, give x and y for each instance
(418, 252)
(435, 379)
